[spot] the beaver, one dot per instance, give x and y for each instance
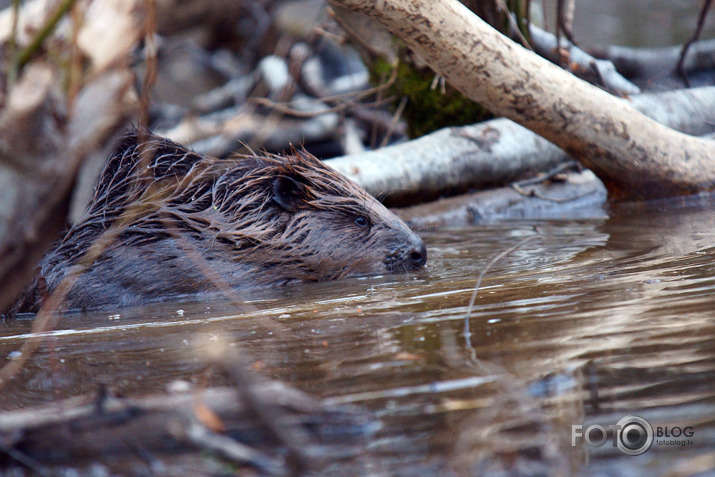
(189, 224)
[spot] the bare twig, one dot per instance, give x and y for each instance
(228, 448)
(494, 260)
(693, 38)
(25, 460)
(151, 61)
(527, 16)
(74, 76)
(546, 175)
(559, 25)
(274, 418)
(287, 110)
(346, 100)
(395, 119)
(564, 19)
(519, 186)
(12, 44)
(26, 53)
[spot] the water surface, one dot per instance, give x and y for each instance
(594, 321)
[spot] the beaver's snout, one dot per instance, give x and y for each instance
(408, 251)
(418, 254)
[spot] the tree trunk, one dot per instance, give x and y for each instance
(634, 155)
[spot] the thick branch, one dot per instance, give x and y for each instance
(634, 154)
(497, 152)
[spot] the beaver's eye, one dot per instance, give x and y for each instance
(362, 221)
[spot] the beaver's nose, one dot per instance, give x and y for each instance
(418, 255)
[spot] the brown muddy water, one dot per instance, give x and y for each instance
(595, 321)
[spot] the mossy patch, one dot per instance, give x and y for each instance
(428, 108)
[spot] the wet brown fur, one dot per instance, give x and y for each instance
(192, 222)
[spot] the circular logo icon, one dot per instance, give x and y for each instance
(634, 435)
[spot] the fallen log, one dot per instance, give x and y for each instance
(570, 195)
(495, 153)
(634, 155)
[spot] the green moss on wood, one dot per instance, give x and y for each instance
(428, 108)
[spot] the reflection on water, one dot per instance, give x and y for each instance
(595, 321)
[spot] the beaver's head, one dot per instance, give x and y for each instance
(296, 218)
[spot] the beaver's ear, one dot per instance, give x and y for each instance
(289, 193)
